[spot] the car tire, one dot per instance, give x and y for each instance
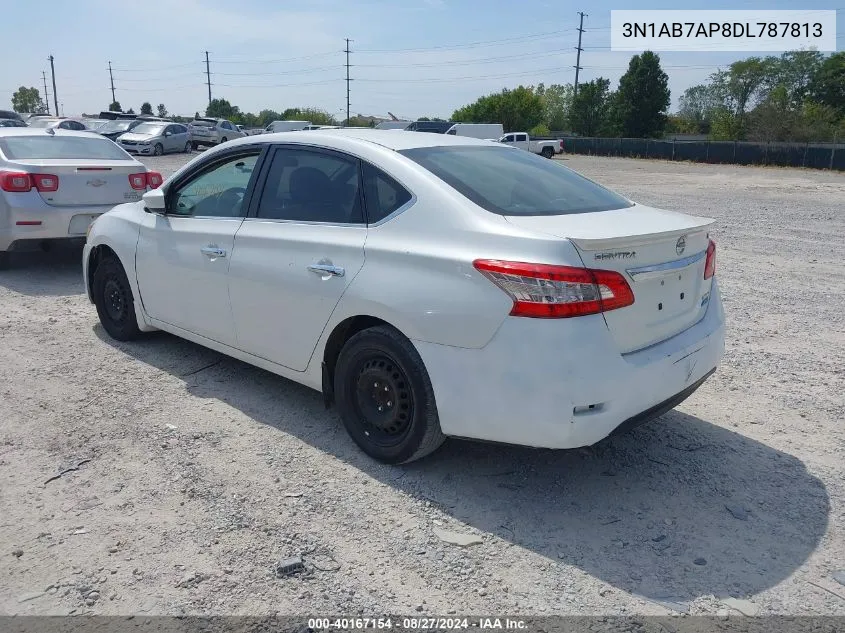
(114, 301)
(384, 397)
(548, 152)
(158, 149)
(5, 259)
(224, 139)
(188, 147)
(194, 146)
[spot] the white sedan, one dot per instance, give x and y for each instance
(429, 285)
(54, 182)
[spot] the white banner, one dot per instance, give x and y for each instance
(723, 30)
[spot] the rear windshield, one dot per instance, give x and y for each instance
(515, 182)
(115, 126)
(203, 123)
(37, 147)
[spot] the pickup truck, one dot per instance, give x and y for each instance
(522, 141)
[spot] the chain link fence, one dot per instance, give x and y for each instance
(812, 155)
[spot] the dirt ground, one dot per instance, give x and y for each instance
(160, 477)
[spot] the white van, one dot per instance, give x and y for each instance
(490, 131)
(286, 126)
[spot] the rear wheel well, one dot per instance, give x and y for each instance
(97, 255)
(342, 332)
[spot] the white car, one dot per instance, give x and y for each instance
(54, 182)
(429, 285)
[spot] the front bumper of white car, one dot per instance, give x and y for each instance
(561, 383)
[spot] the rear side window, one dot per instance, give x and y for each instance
(309, 186)
(382, 193)
(29, 147)
(509, 181)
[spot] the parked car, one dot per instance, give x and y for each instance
(52, 185)
(156, 138)
(473, 290)
(10, 114)
(437, 127)
(117, 127)
(209, 132)
(286, 126)
(12, 123)
(521, 140)
(489, 131)
(58, 123)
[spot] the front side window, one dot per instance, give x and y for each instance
(382, 193)
(309, 186)
(508, 181)
(218, 192)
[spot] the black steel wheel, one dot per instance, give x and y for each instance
(114, 301)
(385, 398)
(548, 152)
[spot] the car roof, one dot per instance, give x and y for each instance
(40, 131)
(391, 139)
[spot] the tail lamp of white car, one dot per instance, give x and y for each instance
(140, 181)
(21, 182)
(554, 292)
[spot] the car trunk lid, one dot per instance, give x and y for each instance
(83, 183)
(660, 253)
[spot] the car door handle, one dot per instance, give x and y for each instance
(213, 251)
(327, 269)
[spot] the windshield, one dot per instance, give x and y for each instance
(46, 146)
(41, 122)
(203, 123)
(515, 182)
(153, 129)
(114, 126)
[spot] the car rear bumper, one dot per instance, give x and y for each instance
(561, 383)
(19, 231)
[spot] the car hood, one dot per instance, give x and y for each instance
(132, 136)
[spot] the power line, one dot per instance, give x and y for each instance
(579, 49)
(53, 73)
(347, 80)
(46, 94)
(208, 76)
(536, 36)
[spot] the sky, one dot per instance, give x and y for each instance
(409, 57)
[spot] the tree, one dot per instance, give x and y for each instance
(162, 111)
(519, 109)
(589, 107)
(737, 89)
(828, 84)
(27, 100)
(557, 99)
(266, 117)
(130, 111)
(222, 109)
(697, 105)
(146, 108)
(773, 119)
(794, 70)
(315, 115)
(114, 106)
(643, 98)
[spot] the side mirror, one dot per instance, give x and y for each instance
(154, 201)
(166, 134)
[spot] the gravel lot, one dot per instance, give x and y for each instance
(187, 476)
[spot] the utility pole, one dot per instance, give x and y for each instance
(53, 73)
(208, 76)
(579, 49)
(346, 50)
(46, 94)
(111, 79)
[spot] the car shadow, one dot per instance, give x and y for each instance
(678, 509)
(57, 272)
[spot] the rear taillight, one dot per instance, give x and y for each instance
(45, 183)
(15, 182)
(710, 263)
(154, 179)
(554, 292)
(138, 181)
(561, 145)
(20, 182)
